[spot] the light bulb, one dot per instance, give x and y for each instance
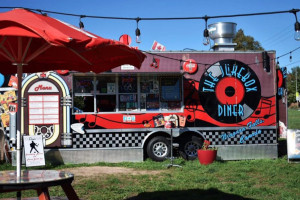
(297, 31)
(81, 25)
(297, 35)
(206, 39)
(138, 36)
(138, 39)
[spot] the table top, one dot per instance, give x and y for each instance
(34, 177)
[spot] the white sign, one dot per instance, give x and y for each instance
(127, 67)
(128, 118)
(293, 144)
(34, 150)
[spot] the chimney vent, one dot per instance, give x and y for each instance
(222, 33)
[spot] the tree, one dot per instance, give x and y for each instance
(291, 84)
(246, 42)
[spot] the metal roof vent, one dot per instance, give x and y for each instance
(222, 33)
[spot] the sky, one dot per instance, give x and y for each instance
(274, 32)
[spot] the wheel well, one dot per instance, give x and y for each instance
(189, 134)
(149, 137)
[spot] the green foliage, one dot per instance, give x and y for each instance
(291, 84)
(246, 42)
(79, 102)
(293, 119)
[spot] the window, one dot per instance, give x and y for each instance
(106, 94)
(149, 93)
(83, 94)
(127, 93)
(83, 85)
(170, 89)
(128, 100)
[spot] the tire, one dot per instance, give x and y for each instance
(158, 148)
(188, 147)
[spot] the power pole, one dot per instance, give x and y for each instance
(297, 93)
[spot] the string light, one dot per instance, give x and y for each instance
(206, 39)
(137, 31)
(291, 58)
(81, 25)
(297, 25)
(42, 13)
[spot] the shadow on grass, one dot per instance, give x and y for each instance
(282, 148)
(193, 194)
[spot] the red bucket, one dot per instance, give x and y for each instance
(207, 156)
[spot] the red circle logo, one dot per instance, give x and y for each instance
(190, 66)
(230, 91)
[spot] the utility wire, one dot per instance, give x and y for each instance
(293, 11)
(160, 18)
(277, 35)
(205, 64)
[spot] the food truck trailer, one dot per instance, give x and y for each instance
(234, 99)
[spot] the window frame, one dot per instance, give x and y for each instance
(139, 78)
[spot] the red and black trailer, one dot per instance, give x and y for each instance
(228, 98)
(234, 99)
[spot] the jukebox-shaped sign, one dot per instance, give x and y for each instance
(46, 108)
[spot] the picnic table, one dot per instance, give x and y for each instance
(39, 180)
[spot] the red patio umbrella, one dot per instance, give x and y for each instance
(35, 42)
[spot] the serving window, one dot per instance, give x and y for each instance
(127, 93)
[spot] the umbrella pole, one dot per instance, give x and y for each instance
(19, 152)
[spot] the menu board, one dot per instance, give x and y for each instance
(43, 109)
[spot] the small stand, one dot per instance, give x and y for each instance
(172, 158)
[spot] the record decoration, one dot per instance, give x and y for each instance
(229, 91)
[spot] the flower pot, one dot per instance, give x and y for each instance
(207, 156)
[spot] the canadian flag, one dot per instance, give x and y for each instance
(158, 47)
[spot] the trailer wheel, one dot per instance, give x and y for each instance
(158, 148)
(188, 147)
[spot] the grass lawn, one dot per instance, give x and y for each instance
(250, 179)
(293, 119)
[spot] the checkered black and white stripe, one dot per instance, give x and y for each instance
(12, 143)
(266, 136)
(108, 140)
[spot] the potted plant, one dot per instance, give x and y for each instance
(206, 155)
